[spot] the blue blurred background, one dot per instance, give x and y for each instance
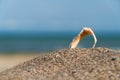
(47, 25)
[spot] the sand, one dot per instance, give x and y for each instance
(10, 60)
(69, 64)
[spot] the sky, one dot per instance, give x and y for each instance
(59, 15)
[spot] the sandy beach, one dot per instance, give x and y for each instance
(8, 61)
(68, 64)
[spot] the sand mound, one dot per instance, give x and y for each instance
(73, 64)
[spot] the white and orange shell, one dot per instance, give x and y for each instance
(84, 32)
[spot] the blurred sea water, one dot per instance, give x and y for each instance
(14, 42)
